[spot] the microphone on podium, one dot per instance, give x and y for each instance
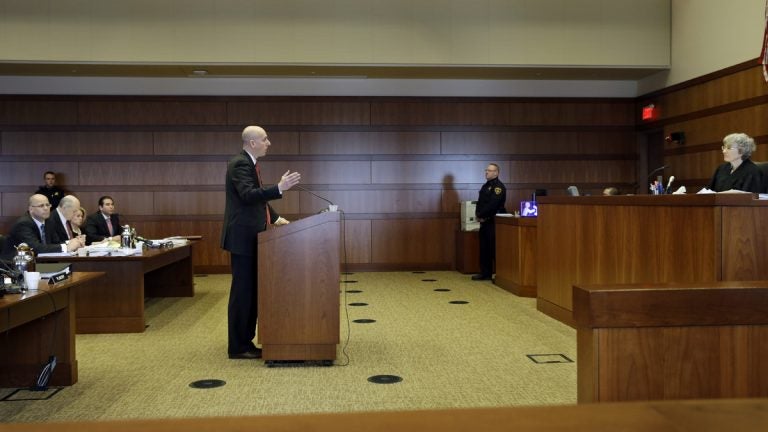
(669, 184)
(661, 168)
(315, 195)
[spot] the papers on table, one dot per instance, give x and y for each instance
(176, 240)
(729, 191)
(56, 254)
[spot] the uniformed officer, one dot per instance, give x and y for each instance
(490, 201)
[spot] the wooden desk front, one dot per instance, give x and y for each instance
(742, 415)
(116, 304)
(648, 239)
(516, 255)
(35, 325)
(671, 341)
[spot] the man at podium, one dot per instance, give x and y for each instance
(247, 212)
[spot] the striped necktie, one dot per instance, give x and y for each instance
(42, 233)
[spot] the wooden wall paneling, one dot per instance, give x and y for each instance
(376, 201)
(573, 171)
(335, 143)
(189, 203)
(721, 91)
(745, 254)
(357, 242)
(126, 202)
(15, 204)
(442, 172)
(567, 112)
(30, 174)
(369, 143)
(196, 143)
(712, 129)
(262, 113)
(575, 144)
(452, 198)
(404, 113)
(14, 111)
(119, 111)
(413, 242)
(77, 143)
(219, 143)
(473, 113)
(152, 173)
(313, 112)
(317, 172)
(405, 142)
(694, 167)
(335, 113)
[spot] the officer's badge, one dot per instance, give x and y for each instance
(497, 190)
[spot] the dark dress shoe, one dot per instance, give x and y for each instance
(248, 355)
(479, 277)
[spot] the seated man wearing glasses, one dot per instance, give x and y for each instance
(30, 229)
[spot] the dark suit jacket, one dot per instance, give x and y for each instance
(55, 232)
(95, 227)
(24, 230)
(245, 213)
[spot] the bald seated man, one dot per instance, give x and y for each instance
(59, 227)
(30, 229)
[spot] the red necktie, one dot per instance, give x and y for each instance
(69, 230)
(258, 175)
(109, 226)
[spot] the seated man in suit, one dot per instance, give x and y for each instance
(59, 228)
(104, 224)
(30, 229)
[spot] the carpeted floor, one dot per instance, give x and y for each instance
(448, 355)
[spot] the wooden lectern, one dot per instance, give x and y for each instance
(298, 267)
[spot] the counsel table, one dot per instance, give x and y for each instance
(116, 305)
(31, 322)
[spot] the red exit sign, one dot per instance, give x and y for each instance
(650, 112)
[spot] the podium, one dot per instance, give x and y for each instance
(298, 277)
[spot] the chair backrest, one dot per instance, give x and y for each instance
(572, 191)
(764, 180)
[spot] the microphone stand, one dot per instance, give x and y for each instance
(315, 195)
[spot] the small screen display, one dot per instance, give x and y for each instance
(528, 209)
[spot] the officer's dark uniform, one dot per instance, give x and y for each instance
(490, 201)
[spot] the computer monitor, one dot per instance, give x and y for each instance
(528, 209)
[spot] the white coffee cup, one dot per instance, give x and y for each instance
(333, 207)
(32, 279)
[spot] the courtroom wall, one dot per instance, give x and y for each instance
(706, 109)
(367, 32)
(708, 36)
(397, 167)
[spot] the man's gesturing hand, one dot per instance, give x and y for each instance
(289, 180)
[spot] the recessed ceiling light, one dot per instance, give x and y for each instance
(200, 72)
